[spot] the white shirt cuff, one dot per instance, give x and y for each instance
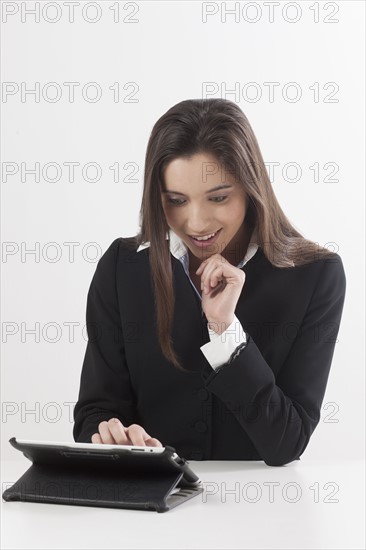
(221, 346)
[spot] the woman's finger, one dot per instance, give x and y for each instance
(215, 281)
(95, 438)
(205, 277)
(105, 434)
(118, 432)
(113, 432)
(137, 434)
(216, 277)
(153, 442)
(108, 430)
(215, 268)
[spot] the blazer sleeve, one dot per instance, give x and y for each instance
(105, 388)
(279, 414)
(221, 346)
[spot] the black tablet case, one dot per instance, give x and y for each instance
(104, 478)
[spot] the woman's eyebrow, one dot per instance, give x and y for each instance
(209, 191)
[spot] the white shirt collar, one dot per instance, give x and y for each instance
(180, 251)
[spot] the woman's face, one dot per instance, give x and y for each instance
(192, 208)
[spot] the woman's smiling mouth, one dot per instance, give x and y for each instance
(205, 242)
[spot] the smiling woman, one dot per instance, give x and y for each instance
(212, 330)
(207, 207)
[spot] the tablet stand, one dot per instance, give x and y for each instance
(89, 483)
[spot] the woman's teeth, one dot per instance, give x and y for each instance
(205, 238)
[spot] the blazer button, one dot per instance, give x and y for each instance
(202, 394)
(200, 426)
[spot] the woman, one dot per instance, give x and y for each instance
(220, 347)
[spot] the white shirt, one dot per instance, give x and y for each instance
(221, 346)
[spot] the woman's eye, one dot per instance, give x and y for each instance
(176, 202)
(223, 198)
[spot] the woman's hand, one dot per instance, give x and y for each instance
(221, 285)
(114, 432)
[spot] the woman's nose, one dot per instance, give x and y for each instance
(198, 223)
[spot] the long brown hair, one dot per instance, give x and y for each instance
(220, 128)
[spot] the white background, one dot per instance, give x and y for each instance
(169, 53)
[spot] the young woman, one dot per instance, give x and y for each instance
(213, 330)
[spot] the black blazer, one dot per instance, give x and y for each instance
(263, 406)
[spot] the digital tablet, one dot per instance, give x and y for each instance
(88, 446)
(91, 474)
(137, 458)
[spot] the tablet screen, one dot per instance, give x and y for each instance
(91, 446)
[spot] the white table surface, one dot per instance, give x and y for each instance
(314, 505)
